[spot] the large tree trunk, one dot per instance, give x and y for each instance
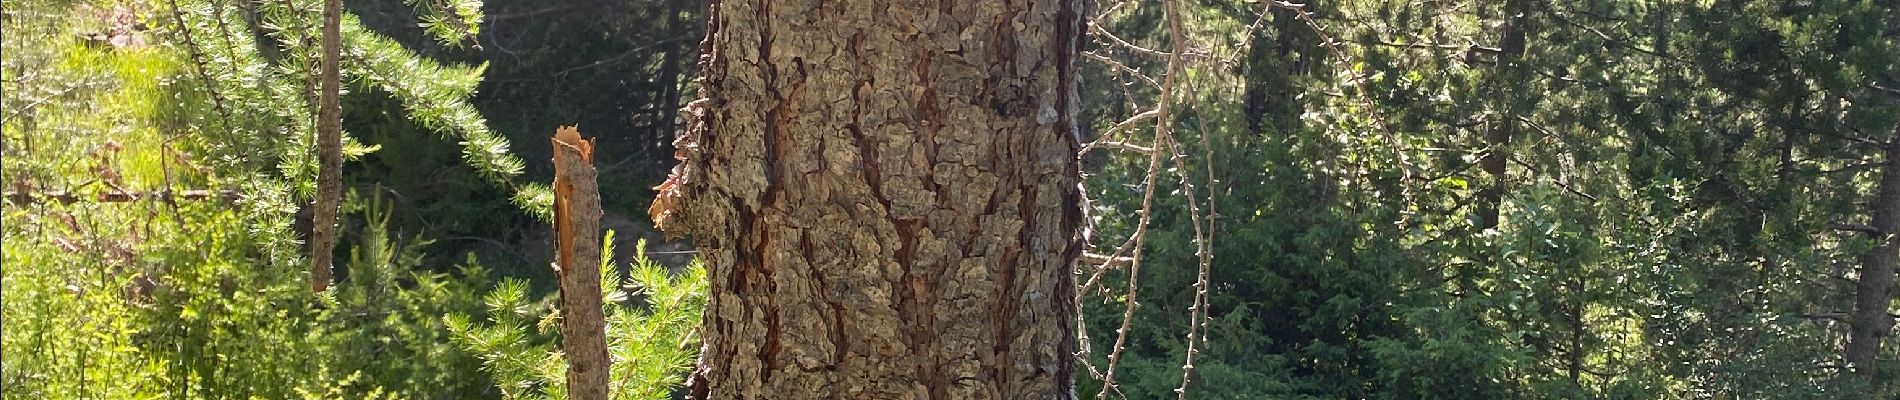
(1874, 294)
(885, 195)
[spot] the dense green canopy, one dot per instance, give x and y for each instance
(1404, 199)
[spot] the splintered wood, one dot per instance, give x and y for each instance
(577, 231)
(573, 158)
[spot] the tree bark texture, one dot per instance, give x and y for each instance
(577, 229)
(1874, 292)
(886, 196)
(329, 148)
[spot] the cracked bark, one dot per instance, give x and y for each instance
(886, 197)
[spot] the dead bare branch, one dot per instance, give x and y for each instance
(116, 196)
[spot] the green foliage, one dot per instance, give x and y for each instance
(1674, 171)
(651, 326)
(201, 298)
(616, 69)
(383, 326)
(433, 95)
(454, 23)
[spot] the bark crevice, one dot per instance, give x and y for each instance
(888, 193)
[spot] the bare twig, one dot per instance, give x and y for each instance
(1852, 227)
(1103, 140)
(1122, 146)
(1116, 40)
(1093, 258)
(1112, 259)
(1163, 130)
(1894, 92)
(1203, 249)
(1124, 68)
(116, 196)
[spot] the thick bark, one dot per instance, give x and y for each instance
(885, 194)
(1874, 293)
(577, 226)
(329, 149)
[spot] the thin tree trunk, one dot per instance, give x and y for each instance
(329, 149)
(1272, 98)
(1503, 125)
(1874, 293)
(885, 195)
(577, 229)
(1577, 330)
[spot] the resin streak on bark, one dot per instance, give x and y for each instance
(577, 226)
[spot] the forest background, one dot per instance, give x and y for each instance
(1382, 199)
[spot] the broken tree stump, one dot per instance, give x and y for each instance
(577, 229)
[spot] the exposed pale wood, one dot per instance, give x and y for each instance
(577, 226)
